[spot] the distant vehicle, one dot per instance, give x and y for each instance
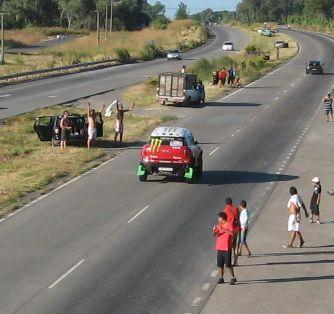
(48, 127)
(171, 151)
(228, 46)
(179, 88)
(314, 67)
(281, 44)
(267, 32)
(174, 54)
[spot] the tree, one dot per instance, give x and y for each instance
(182, 11)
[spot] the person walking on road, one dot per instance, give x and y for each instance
(119, 126)
(244, 221)
(232, 213)
(223, 232)
(328, 107)
(65, 130)
(315, 200)
(294, 205)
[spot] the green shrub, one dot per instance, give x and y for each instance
(122, 55)
(152, 81)
(160, 23)
(19, 60)
(150, 51)
(250, 48)
(51, 63)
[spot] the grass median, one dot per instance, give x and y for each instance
(124, 45)
(28, 165)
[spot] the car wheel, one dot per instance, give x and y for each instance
(143, 177)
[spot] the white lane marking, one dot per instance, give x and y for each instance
(138, 214)
(196, 301)
(211, 153)
(292, 85)
(304, 74)
(280, 169)
(272, 183)
(298, 80)
(277, 98)
(266, 107)
(206, 286)
(52, 96)
(285, 91)
(278, 172)
(284, 162)
(66, 274)
(214, 273)
(287, 158)
(236, 132)
(264, 193)
(5, 95)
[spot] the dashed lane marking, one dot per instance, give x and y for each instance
(277, 98)
(285, 91)
(292, 85)
(52, 96)
(138, 214)
(5, 95)
(216, 149)
(206, 286)
(214, 273)
(66, 274)
(236, 132)
(196, 301)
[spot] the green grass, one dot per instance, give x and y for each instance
(28, 165)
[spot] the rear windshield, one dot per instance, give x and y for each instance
(167, 141)
(174, 51)
(228, 43)
(314, 63)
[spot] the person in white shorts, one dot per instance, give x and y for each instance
(294, 205)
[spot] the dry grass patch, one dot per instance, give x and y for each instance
(28, 165)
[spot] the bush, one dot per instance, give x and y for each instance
(19, 60)
(250, 48)
(122, 55)
(150, 51)
(160, 23)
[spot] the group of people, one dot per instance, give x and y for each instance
(295, 204)
(231, 77)
(233, 223)
(66, 125)
(231, 236)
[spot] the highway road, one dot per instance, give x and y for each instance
(25, 97)
(106, 243)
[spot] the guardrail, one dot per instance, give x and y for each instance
(80, 66)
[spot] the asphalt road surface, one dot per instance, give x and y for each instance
(25, 97)
(106, 243)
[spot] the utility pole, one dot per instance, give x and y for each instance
(111, 16)
(97, 27)
(106, 23)
(2, 58)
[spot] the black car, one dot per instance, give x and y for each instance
(314, 67)
(48, 127)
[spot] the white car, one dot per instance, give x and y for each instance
(228, 46)
(174, 54)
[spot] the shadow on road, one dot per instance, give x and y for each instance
(218, 104)
(239, 177)
(293, 279)
(3, 108)
(323, 261)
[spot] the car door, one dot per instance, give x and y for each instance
(43, 126)
(99, 124)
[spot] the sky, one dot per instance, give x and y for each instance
(198, 5)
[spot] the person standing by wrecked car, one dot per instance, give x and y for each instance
(119, 126)
(92, 131)
(65, 130)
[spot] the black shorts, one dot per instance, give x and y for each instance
(224, 258)
(64, 134)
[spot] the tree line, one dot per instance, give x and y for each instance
(249, 11)
(127, 14)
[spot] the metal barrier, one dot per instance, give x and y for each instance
(79, 66)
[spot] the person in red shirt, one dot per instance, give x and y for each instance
(232, 213)
(223, 232)
(222, 74)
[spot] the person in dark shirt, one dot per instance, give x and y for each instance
(315, 200)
